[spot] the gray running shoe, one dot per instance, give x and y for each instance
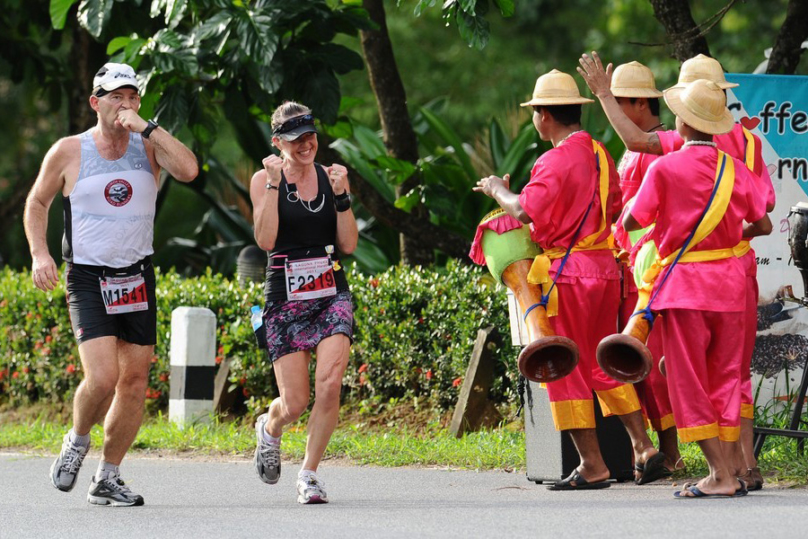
(267, 458)
(310, 490)
(112, 492)
(66, 467)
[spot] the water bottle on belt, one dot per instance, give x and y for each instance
(257, 319)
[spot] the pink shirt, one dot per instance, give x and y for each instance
(674, 194)
(565, 182)
(632, 169)
(733, 143)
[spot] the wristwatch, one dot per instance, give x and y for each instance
(152, 125)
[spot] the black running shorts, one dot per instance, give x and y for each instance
(88, 315)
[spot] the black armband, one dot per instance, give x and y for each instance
(343, 202)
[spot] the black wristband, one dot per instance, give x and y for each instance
(343, 202)
(152, 125)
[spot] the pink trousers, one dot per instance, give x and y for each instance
(703, 362)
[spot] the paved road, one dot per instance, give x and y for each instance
(186, 498)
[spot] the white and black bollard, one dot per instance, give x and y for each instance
(193, 364)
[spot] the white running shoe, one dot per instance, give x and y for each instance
(267, 458)
(310, 490)
(112, 492)
(65, 469)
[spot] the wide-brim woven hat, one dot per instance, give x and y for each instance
(703, 67)
(634, 80)
(702, 105)
(556, 88)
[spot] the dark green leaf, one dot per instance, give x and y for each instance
(451, 139)
(408, 201)
(369, 141)
(117, 44)
(498, 142)
(58, 12)
(94, 15)
(397, 170)
(506, 7)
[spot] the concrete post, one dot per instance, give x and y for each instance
(193, 364)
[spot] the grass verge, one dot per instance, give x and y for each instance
(433, 445)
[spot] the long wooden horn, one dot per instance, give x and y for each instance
(624, 356)
(548, 357)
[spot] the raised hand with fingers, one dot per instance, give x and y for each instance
(488, 185)
(597, 78)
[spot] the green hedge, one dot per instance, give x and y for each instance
(415, 332)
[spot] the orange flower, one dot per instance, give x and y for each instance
(245, 392)
(363, 367)
(15, 375)
(362, 379)
(218, 359)
(48, 338)
(70, 368)
(429, 374)
(164, 377)
(457, 381)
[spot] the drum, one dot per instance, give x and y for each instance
(798, 240)
(509, 253)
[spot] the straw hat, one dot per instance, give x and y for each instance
(556, 88)
(634, 80)
(703, 67)
(702, 105)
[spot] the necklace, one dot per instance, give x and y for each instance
(560, 142)
(700, 143)
(657, 126)
(293, 196)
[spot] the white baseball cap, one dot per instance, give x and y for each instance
(113, 76)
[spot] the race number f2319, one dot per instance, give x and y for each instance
(124, 294)
(310, 279)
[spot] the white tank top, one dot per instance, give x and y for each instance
(109, 215)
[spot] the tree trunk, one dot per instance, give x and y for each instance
(84, 60)
(399, 136)
(407, 224)
(787, 48)
(681, 29)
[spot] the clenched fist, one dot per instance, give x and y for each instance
(273, 165)
(130, 120)
(338, 176)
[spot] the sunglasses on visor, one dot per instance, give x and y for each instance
(293, 123)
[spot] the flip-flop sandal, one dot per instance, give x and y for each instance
(652, 470)
(580, 483)
(698, 493)
(753, 478)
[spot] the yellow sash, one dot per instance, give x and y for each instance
(744, 247)
(540, 270)
(750, 149)
(714, 214)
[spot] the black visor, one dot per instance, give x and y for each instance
(292, 128)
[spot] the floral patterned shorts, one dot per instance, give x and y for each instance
(293, 326)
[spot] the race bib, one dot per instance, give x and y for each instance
(124, 294)
(310, 279)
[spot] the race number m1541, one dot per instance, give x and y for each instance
(124, 294)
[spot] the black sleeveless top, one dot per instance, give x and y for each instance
(303, 233)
